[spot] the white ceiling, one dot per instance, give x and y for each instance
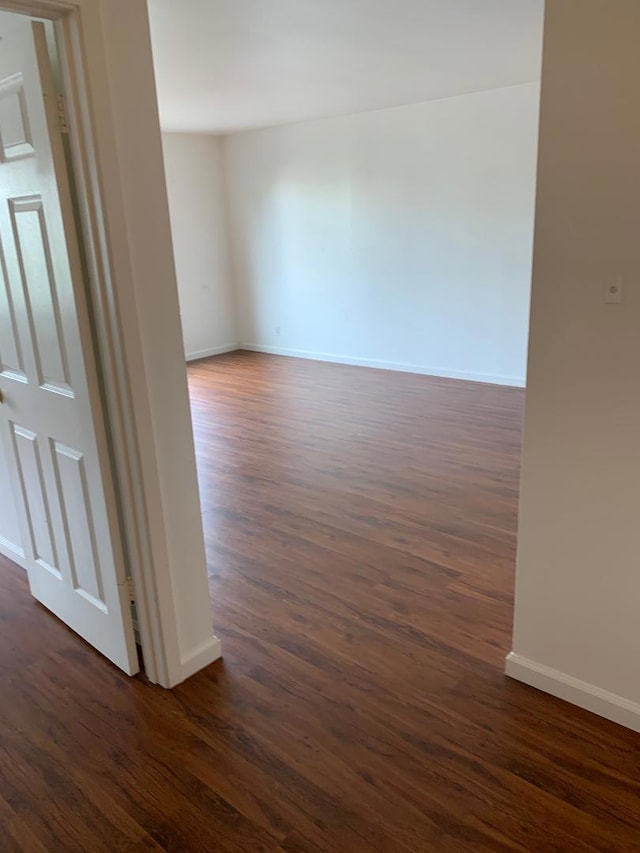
(228, 65)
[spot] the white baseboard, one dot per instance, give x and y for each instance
(511, 381)
(13, 552)
(207, 353)
(203, 655)
(581, 693)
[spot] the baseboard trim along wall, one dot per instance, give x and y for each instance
(207, 353)
(444, 373)
(204, 655)
(511, 381)
(581, 693)
(13, 552)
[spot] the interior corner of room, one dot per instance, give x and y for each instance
(398, 238)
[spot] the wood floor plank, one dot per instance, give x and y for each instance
(360, 529)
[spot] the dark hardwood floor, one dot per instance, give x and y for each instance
(361, 537)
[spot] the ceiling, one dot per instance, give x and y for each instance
(229, 65)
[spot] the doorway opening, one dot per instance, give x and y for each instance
(354, 271)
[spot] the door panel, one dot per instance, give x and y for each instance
(75, 502)
(11, 362)
(34, 494)
(15, 140)
(40, 295)
(50, 422)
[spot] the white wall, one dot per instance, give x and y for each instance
(193, 165)
(401, 237)
(10, 536)
(577, 620)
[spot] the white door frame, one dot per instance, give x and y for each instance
(172, 602)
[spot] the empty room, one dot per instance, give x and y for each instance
(318, 488)
(352, 194)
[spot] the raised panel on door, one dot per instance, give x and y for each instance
(15, 132)
(11, 361)
(39, 523)
(40, 294)
(77, 519)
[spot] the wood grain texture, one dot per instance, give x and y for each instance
(361, 536)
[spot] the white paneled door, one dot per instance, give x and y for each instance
(50, 416)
